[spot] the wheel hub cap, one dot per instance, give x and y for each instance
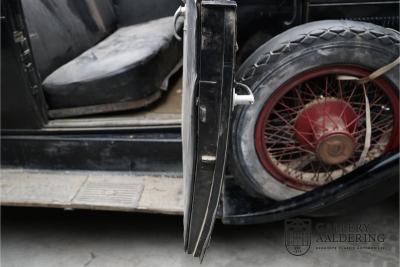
(326, 126)
(335, 149)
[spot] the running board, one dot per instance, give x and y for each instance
(92, 190)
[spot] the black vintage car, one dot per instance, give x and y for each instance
(284, 108)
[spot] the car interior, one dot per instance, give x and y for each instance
(106, 62)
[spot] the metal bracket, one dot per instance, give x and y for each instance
(180, 12)
(242, 99)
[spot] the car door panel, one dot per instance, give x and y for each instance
(210, 37)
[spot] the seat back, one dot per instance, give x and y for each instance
(60, 30)
(131, 12)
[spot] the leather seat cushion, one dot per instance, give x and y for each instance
(60, 30)
(130, 64)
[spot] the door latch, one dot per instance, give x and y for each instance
(247, 99)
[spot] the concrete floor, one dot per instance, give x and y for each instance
(50, 237)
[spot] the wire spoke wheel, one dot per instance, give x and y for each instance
(308, 127)
(313, 129)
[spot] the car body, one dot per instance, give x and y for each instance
(42, 132)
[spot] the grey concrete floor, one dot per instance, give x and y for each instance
(49, 237)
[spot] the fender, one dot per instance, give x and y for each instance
(379, 179)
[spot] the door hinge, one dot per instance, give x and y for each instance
(19, 37)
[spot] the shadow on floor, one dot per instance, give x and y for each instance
(51, 237)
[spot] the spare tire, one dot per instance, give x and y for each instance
(307, 127)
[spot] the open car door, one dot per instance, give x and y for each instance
(209, 53)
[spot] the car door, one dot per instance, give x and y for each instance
(209, 59)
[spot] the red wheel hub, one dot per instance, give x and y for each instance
(327, 126)
(313, 129)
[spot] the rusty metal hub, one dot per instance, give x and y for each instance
(335, 148)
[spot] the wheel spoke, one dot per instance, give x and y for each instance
(322, 106)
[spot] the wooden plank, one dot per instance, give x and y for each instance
(92, 190)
